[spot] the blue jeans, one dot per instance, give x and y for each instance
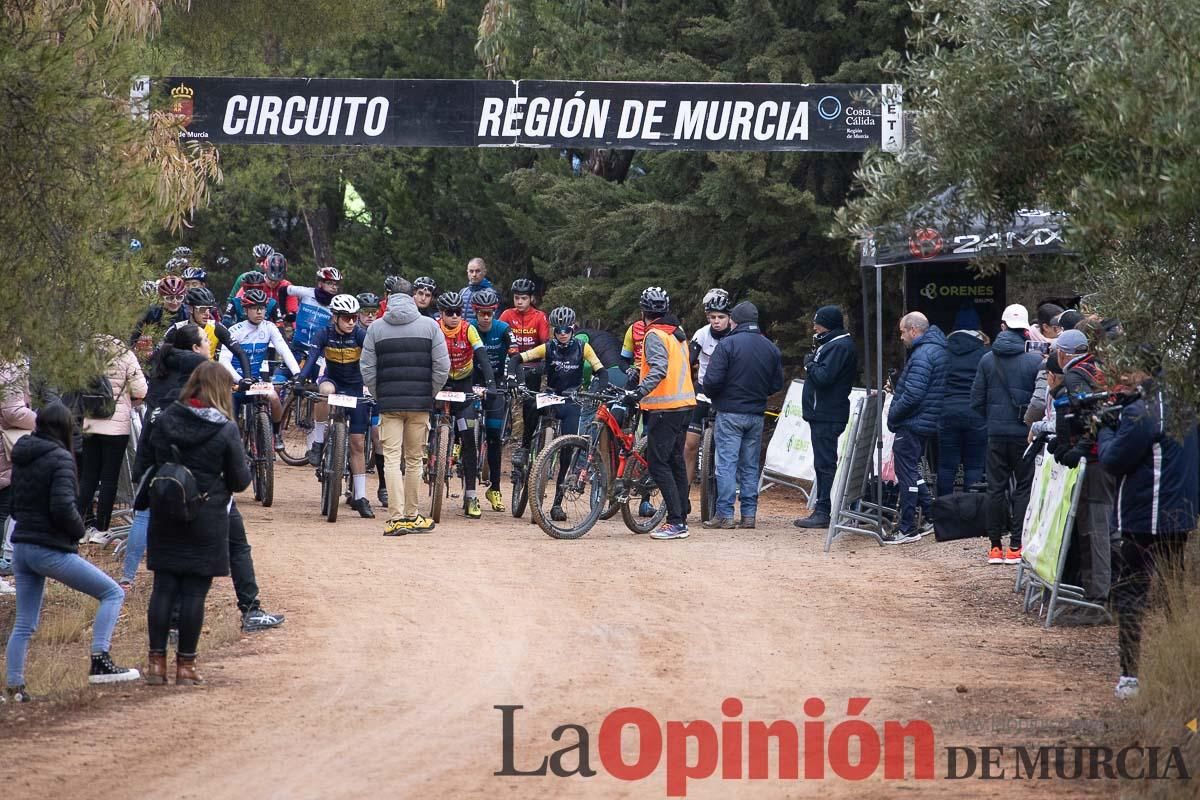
(32, 564)
(737, 442)
(961, 439)
(135, 545)
(907, 450)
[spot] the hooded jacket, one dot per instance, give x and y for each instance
(829, 373)
(211, 447)
(179, 366)
(15, 411)
(128, 383)
(917, 403)
(963, 352)
(404, 359)
(1007, 364)
(44, 491)
(743, 372)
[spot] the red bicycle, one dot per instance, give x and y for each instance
(573, 478)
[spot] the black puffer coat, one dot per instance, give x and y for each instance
(44, 491)
(209, 445)
(180, 364)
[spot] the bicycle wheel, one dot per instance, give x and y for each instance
(638, 483)
(438, 471)
(335, 467)
(708, 476)
(519, 497)
(549, 433)
(605, 447)
(264, 459)
(294, 429)
(581, 494)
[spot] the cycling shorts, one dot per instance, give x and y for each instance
(360, 415)
(698, 414)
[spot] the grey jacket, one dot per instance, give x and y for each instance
(404, 358)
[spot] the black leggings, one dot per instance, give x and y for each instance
(1139, 558)
(189, 592)
(100, 466)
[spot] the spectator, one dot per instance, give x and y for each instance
(829, 373)
(1068, 319)
(1157, 475)
(1047, 326)
(962, 431)
(913, 416)
(16, 419)
(198, 432)
(1002, 390)
(404, 363)
(476, 279)
(45, 545)
(744, 370)
(105, 441)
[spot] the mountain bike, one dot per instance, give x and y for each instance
(547, 430)
(441, 455)
(296, 425)
(335, 458)
(258, 440)
(707, 466)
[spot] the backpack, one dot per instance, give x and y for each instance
(174, 492)
(94, 401)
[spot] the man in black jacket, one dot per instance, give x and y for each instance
(829, 373)
(744, 370)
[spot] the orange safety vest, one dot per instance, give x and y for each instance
(675, 391)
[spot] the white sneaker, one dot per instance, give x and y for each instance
(101, 537)
(88, 533)
(1127, 687)
(6, 587)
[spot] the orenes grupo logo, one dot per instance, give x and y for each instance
(925, 243)
(829, 107)
(930, 291)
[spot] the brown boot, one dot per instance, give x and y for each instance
(185, 671)
(156, 669)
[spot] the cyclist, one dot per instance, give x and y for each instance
(467, 353)
(369, 306)
(175, 265)
(183, 252)
(236, 311)
(194, 277)
(631, 355)
(497, 339)
(529, 328)
(341, 346)
(704, 341)
(167, 311)
(314, 313)
(200, 304)
(275, 270)
(256, 336)
(261, 252)
(565, 356)
(391, 285)
(424, 293)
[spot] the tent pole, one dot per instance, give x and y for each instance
(879, 383)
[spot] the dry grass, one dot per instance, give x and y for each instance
(57, 666)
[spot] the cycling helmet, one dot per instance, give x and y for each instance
(149, 288)
(181, 252)
(200, 296)
(391, 284)
(450, 301)
(172, 286)
(262, 251)
(425, 282)
(254, 278)
(254, 297)
(135, 244)
(562, 317)
(485, 298)
(716, 300)
(368, 300)
(176, 264)
(655, 300)
(276, 267)
(222, 262)
(523, 286)
(329, 274)
(195, 274)
(345, 304)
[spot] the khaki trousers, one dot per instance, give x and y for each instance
(403, 435)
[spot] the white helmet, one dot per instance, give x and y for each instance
(344, 304)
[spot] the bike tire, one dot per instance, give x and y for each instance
(438, 488)
(549, 433)
(545, 473)
(264, 459)
(606, 446)
(335, 468)
(636, 473)
(708, 476)
(294, 428)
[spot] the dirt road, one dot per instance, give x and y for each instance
(384, 678)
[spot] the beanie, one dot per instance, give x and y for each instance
(829, 316)
(744, 311)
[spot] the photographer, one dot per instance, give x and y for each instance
(1157, 479)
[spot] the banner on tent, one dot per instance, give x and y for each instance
(1047, 516)
(475, 113)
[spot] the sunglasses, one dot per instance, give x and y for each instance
(485, 312)
(560, 331)
(451, 312)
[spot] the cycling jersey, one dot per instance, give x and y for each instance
(288, 304)
(237, 313)
(254, 340)
(311, 317)
(462, 342)
(706, 342)
(564, 365)
(341, 351)
(498, 341)
(529, 328)
(635, 338)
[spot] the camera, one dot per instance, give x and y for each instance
(1090, 411)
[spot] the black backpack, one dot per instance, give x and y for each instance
(174, 492)
(94, 401)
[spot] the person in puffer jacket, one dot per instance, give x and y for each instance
(962, 431)
(1158, 498)
(913, 416)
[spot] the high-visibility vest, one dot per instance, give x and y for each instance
(675, 390)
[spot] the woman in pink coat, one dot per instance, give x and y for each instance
(15, 416)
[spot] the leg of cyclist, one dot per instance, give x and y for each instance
(360, 425)
(276, 417)
(494, 423)
(316, 437)
(568, 415)
(464, 422)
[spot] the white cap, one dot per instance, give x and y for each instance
(1016, 316)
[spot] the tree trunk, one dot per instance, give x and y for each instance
(317, 220)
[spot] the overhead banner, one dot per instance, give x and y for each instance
(470, 113)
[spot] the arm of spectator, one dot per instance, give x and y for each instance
(656, 356)
(979, 388)
(1122, 451)
(717, 373)
(366, 363)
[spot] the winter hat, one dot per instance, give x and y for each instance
(1016, 316)
(967, 319)
(1069, 319)
(1052, 365)
(1072, 342)
(744, 311)
(829, 316)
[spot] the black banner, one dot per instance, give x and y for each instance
(952, 295)
(469, 113)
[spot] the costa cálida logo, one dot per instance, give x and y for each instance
(181, 103)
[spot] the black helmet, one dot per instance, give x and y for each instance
(254, 278)
(391, 284)
(276, 267)
(485, 298)
(449, 301)
(262, 250)
(195, 274)
(368, 300)
(717, 300)
(523, 286)
(655, 300)
(254, 297)
(200, 296)
(181, 252)
(425, 282)
(562, 317)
